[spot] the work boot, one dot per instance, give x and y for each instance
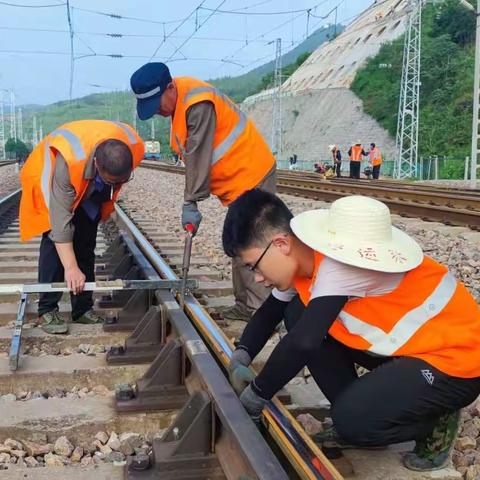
(89, 318)
(433, 453)
(235, 312)
(54, 323)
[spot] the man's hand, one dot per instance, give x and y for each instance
(191, 214)
(238, 372)
(253, 403)
(75, 279)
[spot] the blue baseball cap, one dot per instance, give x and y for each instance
(148, 83)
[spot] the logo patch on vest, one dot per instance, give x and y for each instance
(428, 375)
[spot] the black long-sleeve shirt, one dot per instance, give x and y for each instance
(293, 351)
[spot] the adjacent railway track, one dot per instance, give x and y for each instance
(163, 360)
(446, 205)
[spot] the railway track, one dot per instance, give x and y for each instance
(445, 205)
(167, 366)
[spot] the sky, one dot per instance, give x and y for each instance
(193, 41)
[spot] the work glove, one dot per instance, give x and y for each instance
(238, 372)
(253, 403)
(191, 215)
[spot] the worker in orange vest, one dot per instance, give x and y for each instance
(354, 290)
(70, 182)
(355, 152)
(223, 152)
(375, 160)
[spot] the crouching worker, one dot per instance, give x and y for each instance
(69, 183)
(355, 290)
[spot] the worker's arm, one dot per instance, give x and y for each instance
(62, 197)
(201, 123)
(296, 348)
(261, 326)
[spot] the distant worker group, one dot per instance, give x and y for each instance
(356, 153)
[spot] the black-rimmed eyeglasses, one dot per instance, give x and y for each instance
(253, 267)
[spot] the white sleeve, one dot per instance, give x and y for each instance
(284, 295)
(336, 278)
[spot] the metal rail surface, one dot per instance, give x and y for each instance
(303, 454)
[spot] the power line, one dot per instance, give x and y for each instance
(72, 54)
(176, 28)
(237, 12)
(117, 16)
(196, 29)
(126, 35)
(32, 6)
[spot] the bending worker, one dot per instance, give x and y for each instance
(355, 290)
(223, 152)
(69, 183)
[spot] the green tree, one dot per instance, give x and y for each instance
(17, 149)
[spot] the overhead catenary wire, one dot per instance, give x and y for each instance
(176, 28)
(196, 29)
(8, 4)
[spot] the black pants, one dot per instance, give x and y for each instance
(399, 400)
(376, 172)
(338, 167)
(50, 268)
(355, 169)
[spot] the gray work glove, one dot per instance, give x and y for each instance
(253, 403)
(191, 215)
(238, 372)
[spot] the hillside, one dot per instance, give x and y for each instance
(448, 34)
(120, 105)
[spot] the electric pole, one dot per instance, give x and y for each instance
(407, 126)
(13, 122)
(276, 141)
(20, 124)
(2, 129)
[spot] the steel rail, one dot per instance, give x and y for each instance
(447, 207)
(304, 455)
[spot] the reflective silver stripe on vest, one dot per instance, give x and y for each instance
(237, 131)
(46, 172)
(197, 90)
(131, 137)
(148, 94)
(73, 140)
(230, 139)
(384, 343)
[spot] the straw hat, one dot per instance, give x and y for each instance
(358, 231)
(331, 147)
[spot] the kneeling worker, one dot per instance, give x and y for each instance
(69, 183)
(355, 290)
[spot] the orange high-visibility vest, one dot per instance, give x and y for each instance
(241, 158)
(429, 315)
(356, 155)
(76, 142)
(375, 156)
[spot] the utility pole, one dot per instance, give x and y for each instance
(152, 133)
(20, 124)
(40, 135)
(276, 141)
(34, 131)
(476, 93)
(407, 126)
(2, 129)
(13, 122)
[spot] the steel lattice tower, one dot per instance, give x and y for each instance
(2, 129)
(13, 121)
(20, 124)
(276, 142)
(407, 126)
